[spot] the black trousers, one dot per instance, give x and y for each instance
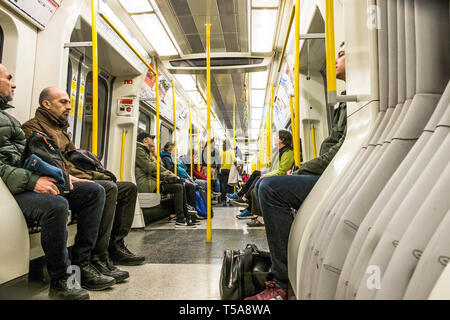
(224, 187)
(179, 198)
(86, 201)
(250, 184)
(117, 217)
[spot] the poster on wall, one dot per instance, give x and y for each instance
(282, 112)
(164, 84)
(147, 93)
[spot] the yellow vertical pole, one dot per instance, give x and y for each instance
(234, 129)
(158, 141)
(174, 128)
(294, 134)
(330, 48)
(271, 125)
(122, 154)
(208, 131)
(297, 81)
(94, 78)
(190, 135)
(313, 138)
(268, 133)
(198, 145)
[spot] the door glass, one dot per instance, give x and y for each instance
(166, 136)
(144, 123)
(86, 131)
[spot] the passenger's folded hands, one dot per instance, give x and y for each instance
(75, 179)
(46, 185)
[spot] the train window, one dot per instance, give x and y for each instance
(1, 44)
(86, 131)
(144, 123)
(166, 136)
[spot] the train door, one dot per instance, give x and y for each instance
(79, 88)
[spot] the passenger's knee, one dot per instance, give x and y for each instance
(57, 210)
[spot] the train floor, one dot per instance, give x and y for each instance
(180, 264)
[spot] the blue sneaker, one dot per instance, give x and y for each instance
(232, 196)
(245, 215)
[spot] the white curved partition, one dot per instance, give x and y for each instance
(15, 248)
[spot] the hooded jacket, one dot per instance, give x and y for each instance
(46, 122)
(12, 144)
(145, 170)
(330, 146)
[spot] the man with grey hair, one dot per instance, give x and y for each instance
(40, 202)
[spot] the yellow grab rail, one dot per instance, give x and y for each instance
(293, 125)
(208, 132)
(126, 42)
(313, 138)
(122, 154)
(330, 48)
(190, 135)
(174, 129)
(198, 145)
(291, 19)
(158, 161)
(297, 82)
(94, 78)
(271, 125)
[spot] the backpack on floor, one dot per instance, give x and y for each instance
(204, 195)
(199, 205)
(244, 272)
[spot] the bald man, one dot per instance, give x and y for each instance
(40, 201)
(52, 118)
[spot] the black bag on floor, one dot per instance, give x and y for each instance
(244, 272)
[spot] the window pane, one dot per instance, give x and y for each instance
(86, 134)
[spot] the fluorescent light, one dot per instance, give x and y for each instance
(136, 6)
(263, 29)
(259, 79)
(257, 113)
(153, 30)
(255, 123)
(258, 98)
(186, 81)
(109, 13)
(254, 133)
(265, 3)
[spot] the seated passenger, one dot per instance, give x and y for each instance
(189, 184)
(279, 195)
(145, 172)
(39, 199)
(282, 161)
(51, 118)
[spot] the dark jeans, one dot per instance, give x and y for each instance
(117, 216)
(190, 193)
(86, 201)
(277, 197)
(249, 185)
(224, 187)
(179, 198)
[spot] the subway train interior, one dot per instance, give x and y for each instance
(173, 75)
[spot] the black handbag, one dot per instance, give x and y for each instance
(45, 148)
(244, 272)
(88, 162)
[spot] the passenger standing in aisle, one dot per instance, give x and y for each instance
(278, 196)
(39, 199)
(227, 159)
(51, 118)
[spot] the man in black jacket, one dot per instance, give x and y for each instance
(277, 197)
(40, 202)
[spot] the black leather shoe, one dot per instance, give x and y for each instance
(67, 289)
(122, 256)
(92, 279)
(107, 268)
